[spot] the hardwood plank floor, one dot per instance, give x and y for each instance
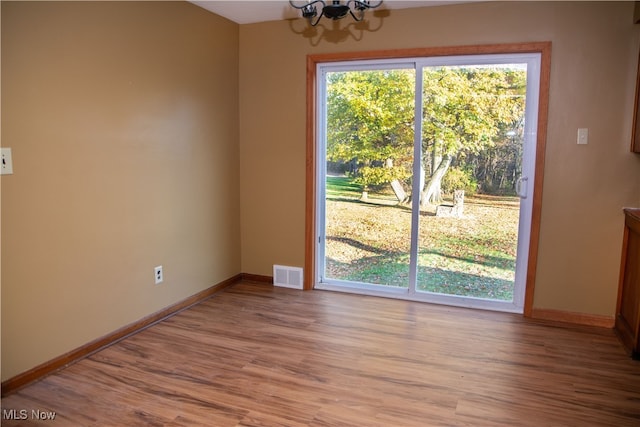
(254, 355)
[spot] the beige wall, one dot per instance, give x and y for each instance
(595, 51)
(123, 121)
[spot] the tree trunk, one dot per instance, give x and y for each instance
(432, 191)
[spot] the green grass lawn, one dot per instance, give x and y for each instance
(470, 256)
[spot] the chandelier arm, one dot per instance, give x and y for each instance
(356, 18)
(313, 24)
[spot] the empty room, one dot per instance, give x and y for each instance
(320, 213)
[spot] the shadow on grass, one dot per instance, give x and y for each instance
(380, 203)
(392, 269)
(504, 263)
(359, 245)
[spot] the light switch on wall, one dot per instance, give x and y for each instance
(6, 165)
(583, 136)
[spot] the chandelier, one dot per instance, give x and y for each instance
(335, 9)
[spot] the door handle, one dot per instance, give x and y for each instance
(521, 187)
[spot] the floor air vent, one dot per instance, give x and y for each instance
(287, 277)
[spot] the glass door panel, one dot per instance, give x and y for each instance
(367, 177)
(472, 146)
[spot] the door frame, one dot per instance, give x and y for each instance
(543, 48)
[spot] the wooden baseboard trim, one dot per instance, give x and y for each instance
(256, 278)
(575, 318)
(47, 368)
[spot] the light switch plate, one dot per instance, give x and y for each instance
(6, 163)
(583, 136)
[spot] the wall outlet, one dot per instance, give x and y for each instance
(157, 272)
(583, 136)
(6, 163)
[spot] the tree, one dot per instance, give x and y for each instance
(468, 115)
(498, 168)
(370, 123)
(464, 110)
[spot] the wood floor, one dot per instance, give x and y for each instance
(254, 355)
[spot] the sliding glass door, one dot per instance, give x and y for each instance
(424, 171)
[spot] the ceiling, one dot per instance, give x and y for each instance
(248, 12)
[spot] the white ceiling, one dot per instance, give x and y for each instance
(251, 11)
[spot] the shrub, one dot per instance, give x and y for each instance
(459, 179)
(368, 176)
